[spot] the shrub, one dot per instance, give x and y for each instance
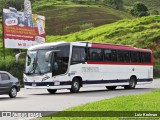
(86, 26)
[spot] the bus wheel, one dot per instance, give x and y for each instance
(111, 87)
(52, 91)
(132, 83)
(75, 86)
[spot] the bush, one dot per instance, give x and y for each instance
(15, 69)
(156, 72)
(86, 26)
(139, 10)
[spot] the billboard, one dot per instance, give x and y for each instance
(20, 31)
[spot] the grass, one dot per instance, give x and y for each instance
(140, 32)
(61, 18)
(143, 102)
(65, 19)
(68, 17)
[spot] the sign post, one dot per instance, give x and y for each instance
(4, 52)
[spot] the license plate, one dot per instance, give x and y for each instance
(34, 84)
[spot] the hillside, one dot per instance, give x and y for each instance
(65, 19)
(143, 32)
(62, 17)
(151, 4)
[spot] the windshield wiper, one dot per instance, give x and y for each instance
(39, 70)
(34, 66)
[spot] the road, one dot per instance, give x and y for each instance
(41, 100)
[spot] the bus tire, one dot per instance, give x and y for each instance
(132, 83)
(111, 87)
(75, 86)
(52, 91)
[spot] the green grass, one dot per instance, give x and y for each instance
(68, 17)
(65, 19)
(143, 102)
(140, 32)
(61, 19)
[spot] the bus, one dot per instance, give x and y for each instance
(72, 65)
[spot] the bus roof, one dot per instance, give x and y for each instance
(94, 45)
(46, 45)
(120, 47)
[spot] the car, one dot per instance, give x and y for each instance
(9, 84)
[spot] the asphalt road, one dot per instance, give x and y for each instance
(41, 100)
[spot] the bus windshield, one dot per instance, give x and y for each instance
(57, 64)
(35, 62)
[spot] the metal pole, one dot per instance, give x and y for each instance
(4, 51)
(16, 4)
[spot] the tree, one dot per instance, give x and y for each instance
(139, 10)
(118, 4)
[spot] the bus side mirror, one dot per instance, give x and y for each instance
(47, 55)
(18, 55)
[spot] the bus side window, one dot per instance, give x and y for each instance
(107, 55)
(95, 54)
(135, 56)
(146, 57)
(126, 56)
(120, 56)
(60, 61)
(78, 55)
(113, 55)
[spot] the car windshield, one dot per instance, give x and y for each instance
(35, 62)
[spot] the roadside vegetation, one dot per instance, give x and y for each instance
(152, 5)
(142, 32)
(62, 19)
(93, 21)
(142, 102)
(139, 32)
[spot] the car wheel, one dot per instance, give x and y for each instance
(111, 87)
(75, 86)
(52, 91)
(132, 83)
(13, 92)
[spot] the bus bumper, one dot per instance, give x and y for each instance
(46, 85)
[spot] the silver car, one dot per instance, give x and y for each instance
(9, 84)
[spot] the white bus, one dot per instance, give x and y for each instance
(72, 65)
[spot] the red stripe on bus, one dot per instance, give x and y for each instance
(120, 63)
(120, 47)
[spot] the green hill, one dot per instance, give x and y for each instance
(140, 32)
(151, 4)
(68, 17)
(62, 17)
(65, 17)
(62, 20)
